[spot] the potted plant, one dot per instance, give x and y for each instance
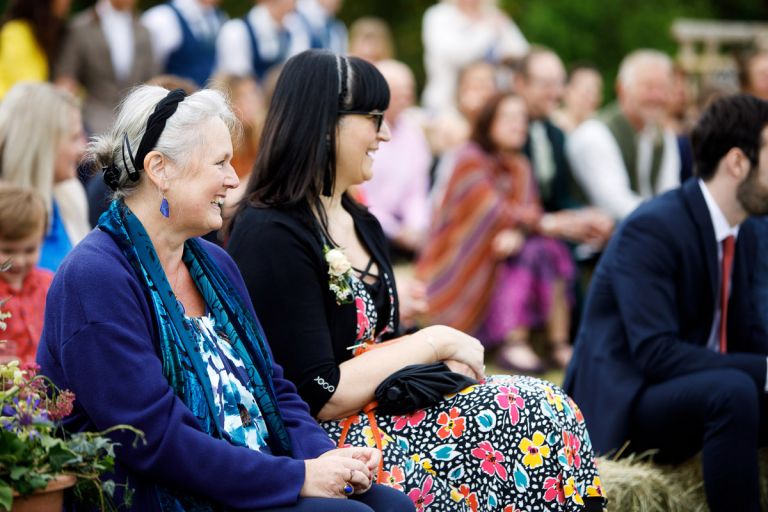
(38, 460)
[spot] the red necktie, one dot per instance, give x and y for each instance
(725, 273)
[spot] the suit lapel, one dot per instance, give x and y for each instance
(101, 46)
(697, 206)
(137, 66)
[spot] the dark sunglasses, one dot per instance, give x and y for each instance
(378, 117)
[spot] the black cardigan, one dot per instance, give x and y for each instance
(280, 254)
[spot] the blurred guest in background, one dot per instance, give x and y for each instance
(582, 96)
(490, 264)
(106, 51)
(370, 38)
(172, 82)
(41, 144)
(183, 34)
(627, 154)
(318, 17)
(753, 73)
(23, 286)
(449, 131)
(540, 82)
(264, 38)
(30, 39)
(398, 192)
(248, 104)
(458, 32)
(682, 115)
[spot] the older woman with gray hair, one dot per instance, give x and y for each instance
(153, 327)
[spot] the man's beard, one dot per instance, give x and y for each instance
(752, 194)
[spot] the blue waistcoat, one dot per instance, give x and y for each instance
(260, 65)
(195, 59)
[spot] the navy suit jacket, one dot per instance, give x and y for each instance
(650, 309)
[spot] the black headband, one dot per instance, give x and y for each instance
(155, 126)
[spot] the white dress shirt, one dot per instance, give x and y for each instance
(233, 46)
(163, 26)
(722, 231)
(118, 31)
(599, 167)
(543, 155)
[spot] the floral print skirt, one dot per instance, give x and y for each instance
(508, 444)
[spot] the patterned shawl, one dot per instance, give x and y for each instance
(485, 195)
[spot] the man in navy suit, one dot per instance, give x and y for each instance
(651, 365)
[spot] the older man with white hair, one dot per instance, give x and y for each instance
(625, 154)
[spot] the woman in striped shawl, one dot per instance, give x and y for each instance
(490, 269)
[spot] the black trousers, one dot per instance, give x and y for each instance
(378, 499)
(718, 412)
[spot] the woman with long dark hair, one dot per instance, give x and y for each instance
(316, 266)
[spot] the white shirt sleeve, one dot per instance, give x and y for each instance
(599, 168)
(233, 49)
(513, 42)
(669, 177)
(165, 32)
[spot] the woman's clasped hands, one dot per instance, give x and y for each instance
(340, 472)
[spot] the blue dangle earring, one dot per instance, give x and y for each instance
(164, 208)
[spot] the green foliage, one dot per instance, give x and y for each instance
(602, 32)
(34, 450)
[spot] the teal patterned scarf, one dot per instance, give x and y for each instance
(182, 365)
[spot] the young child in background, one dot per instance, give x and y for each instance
(23, 221)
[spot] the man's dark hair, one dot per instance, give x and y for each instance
(734, 121)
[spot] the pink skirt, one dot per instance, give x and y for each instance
(522, 296)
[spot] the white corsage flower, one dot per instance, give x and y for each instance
(338, 264)
(339, 273)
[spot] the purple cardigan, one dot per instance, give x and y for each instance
(100, 341)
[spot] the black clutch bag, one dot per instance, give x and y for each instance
(418, 386)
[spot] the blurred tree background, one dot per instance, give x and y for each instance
(596, 31)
